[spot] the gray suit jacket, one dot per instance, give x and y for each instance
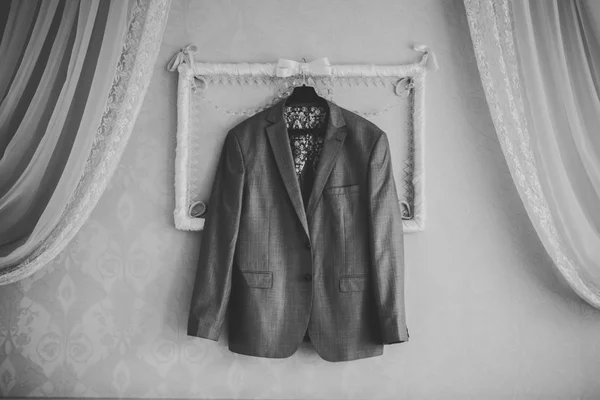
(334, 267)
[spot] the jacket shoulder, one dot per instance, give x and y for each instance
(246, 131)
(250, 124)
(361, 128)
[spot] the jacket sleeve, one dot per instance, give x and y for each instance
(387, 244)
(212, 285)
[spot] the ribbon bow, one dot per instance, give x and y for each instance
(428, 59)
(184, 56)
(319, 67)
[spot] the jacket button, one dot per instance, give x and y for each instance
(308, 277)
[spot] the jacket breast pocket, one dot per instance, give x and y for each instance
(258, 279)
(341, 190)
(353, 283)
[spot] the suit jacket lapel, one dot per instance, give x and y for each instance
(280, 143)
(334, 139)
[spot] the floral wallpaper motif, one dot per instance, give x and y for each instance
(488, 318)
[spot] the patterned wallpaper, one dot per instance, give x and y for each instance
(488, 316)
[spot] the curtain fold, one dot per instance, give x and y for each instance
(539, 63)
(71, 91)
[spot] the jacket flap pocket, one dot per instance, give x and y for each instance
(342, 189)
(353, 283)
(262, 280)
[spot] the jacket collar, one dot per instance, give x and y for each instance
(335, 118)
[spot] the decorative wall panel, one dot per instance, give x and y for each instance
(214, 97)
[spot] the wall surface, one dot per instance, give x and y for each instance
(488, 317)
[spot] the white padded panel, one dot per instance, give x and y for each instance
(211, 103)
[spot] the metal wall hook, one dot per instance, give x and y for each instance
(303, 72)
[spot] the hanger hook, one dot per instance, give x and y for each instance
(302, 73)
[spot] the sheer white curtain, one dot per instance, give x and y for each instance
(539, 63)
(72, 78)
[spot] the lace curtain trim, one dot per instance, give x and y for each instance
(131, 80)
(496, 45)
